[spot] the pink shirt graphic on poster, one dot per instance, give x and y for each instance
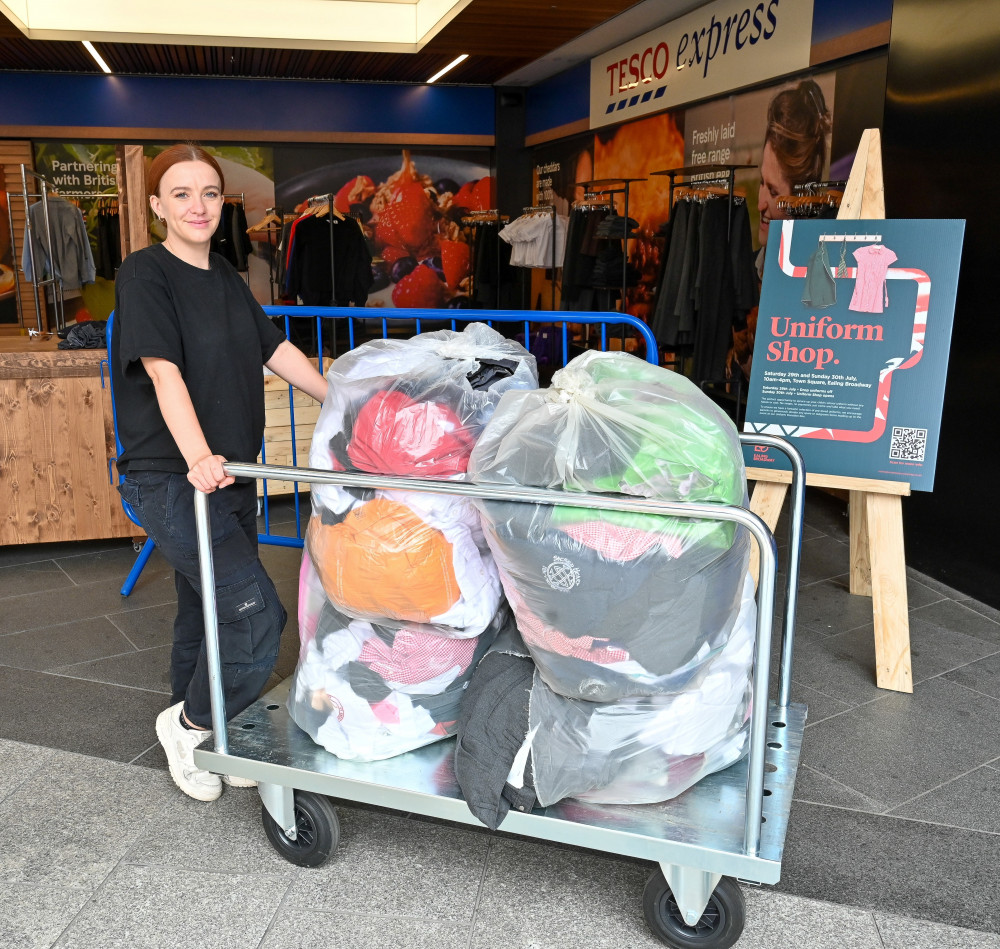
(870, 288)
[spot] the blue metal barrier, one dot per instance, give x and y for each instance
(326, 321)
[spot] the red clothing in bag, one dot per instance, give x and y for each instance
(394, 435)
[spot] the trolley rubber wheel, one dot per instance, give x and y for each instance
(721, 923)
(317, 831)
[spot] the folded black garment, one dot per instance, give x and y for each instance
(87, 335)
(492, 726)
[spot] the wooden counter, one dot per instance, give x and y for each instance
(56, 435)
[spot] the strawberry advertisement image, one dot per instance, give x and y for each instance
(410, 206)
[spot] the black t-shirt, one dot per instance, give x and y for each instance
(207, 323)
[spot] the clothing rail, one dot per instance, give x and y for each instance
(726, 173)
(547, 209)
(852, 238)
(274, 226)
(489, 216)
(812, 187)
(613, 186)
(51, 281)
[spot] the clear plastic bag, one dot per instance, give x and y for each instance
(647, 749)
(365, 691)
(613, 604)
(415, 408)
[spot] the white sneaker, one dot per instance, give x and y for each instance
(235, 782)
(179, 743)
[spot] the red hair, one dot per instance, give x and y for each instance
(185, 151)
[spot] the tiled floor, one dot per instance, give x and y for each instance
(894, 837)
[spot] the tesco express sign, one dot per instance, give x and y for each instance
(714, 50)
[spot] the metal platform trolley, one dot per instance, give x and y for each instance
(730, 826)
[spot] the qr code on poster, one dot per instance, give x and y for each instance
(908, 444)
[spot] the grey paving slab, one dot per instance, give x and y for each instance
(896, 866)
(54, 646)
(843, 665)
(146, 626)
(224, 836)
(981, 676)
(151, 757)
(152, 908)
(18, 761)
(899, 932)
(32, 553)
(34, 916)
(779, 921)
(281, 563)
(988, 611)
(147, 669)
(940, 586)
(829, 607)
(949, 615)
(301, 929)
(824, 513)
(394, 866)
(902, 745)
(102, 598)
(42, 576)
(73, 819)
(113, 564)
(92, 718)
(822, 558)
(970, 801)
(817, 788)
(820, 705)
(533, 895)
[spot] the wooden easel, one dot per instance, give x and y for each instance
(877, 559)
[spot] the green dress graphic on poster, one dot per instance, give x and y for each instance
(855, 381)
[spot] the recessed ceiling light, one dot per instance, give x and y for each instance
(450, 65)
(97, 56)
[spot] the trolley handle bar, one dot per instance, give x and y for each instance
(495, 492)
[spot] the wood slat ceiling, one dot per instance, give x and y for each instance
(500, 36)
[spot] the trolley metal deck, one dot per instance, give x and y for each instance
(731, 824)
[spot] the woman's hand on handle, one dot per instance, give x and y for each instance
(208, 473)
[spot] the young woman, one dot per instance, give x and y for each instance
(796, 144)
(189, 344)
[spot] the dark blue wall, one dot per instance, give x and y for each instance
(557, 101)
(267, 105)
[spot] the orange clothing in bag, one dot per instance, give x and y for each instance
(384, 561)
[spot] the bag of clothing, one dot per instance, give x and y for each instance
(407, 557)
(522, 744)
(366, 692)
(616, 604)
(411, 408)
(645, 749)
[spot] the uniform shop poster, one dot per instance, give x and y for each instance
(851, 353)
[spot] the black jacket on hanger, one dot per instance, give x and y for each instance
(322, 275)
